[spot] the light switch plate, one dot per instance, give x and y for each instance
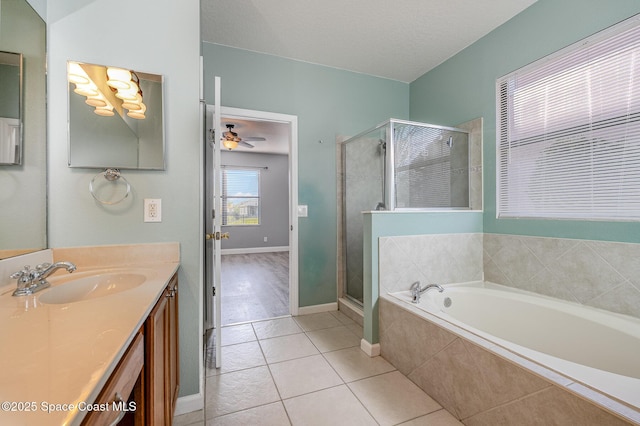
(303, 211)
(152, 210)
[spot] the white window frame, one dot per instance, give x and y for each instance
(226, 197)
(568, 140)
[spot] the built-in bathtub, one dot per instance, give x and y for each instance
(548, 345)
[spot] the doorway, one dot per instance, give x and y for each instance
(259, 272)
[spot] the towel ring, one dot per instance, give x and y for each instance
(112, 175)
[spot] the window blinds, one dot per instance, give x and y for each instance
(240, 196)
(568, 142)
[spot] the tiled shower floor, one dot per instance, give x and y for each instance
(308, 370)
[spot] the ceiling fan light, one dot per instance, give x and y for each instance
(230, 144)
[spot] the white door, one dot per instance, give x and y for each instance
(213, 223)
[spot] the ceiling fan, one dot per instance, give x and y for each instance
(231, 140)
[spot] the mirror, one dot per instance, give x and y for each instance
(115, 117)
(23, 186)
(10, 108)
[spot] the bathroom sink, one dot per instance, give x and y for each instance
(92, 287)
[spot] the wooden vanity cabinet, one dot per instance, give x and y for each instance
(161, 357)
(122, 397)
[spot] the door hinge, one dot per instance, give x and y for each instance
(214, 290)
(213, 213)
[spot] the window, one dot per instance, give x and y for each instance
(240, 196)
(568, 132)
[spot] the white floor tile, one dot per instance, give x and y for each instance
(345, 320)
(392, 398)
(234, 334)
(289, 347)
(439, 418)
(239, 357)
(356, 329)
(332, 339)
(276, 328)
(317, 321)
(265, 415)
(352, 364)
(239, 390)
(188, 419)
(303, 375)
(299, 385)
(333, 406)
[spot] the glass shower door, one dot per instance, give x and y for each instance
(363, 190)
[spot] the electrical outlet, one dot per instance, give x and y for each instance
(152, 210)
(265, 239)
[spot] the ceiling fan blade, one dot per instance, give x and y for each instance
(254, 139)
(245, 144)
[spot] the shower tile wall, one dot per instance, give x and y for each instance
(601, 274)
(364, 186)
(474, 127)
(441, 258)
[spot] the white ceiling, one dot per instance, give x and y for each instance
(399, 40)
(275, 133)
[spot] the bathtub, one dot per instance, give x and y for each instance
(596, 348)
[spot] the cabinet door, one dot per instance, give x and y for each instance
(156, 367)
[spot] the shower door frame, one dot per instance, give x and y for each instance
(389, 184)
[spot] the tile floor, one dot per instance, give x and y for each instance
(308, 370)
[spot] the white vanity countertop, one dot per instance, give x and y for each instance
(64, 353)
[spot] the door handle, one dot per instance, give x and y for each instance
(217, 236)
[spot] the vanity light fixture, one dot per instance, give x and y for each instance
(124, 84)
(127, 86)
(139, 113)
(86, 87)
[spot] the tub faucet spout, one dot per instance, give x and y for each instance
(416, 290)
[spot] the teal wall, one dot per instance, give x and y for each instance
(386, 224)
(171, 46)
(463, 88)
(329, 103)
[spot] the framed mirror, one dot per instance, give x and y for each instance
(10, 108)
(23, 168)
(116, 117)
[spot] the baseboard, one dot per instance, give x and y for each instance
(253, 250)
(314, 309)
(370, 349)
(189, 403)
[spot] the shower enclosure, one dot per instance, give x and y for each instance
(401, 166)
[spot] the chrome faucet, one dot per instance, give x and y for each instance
(33, 280)
(416, 290)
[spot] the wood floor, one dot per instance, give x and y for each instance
(254, 286)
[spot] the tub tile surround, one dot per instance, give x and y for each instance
(476, 384)
(442, 259)
(600, 274)
(453, 367)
